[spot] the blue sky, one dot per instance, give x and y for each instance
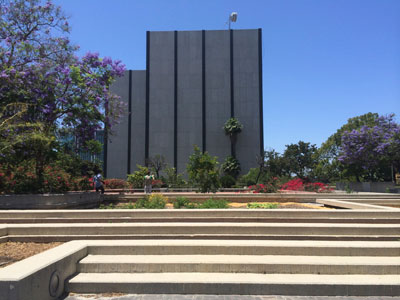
(324, 61)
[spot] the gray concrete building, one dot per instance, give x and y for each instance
(193, 83)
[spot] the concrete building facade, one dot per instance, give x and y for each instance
(193, 83)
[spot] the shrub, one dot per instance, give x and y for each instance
(272, 186)
(300, 185)
(109, 206)
(115, 183)
(214, 203)
(180, 201)
(154, 201)
(203, 172)
(136, 179)
(262, 205)
(172, 178)
(157, 183)
(81, 183)
(227, 181)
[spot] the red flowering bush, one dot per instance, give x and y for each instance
(23, 180)
(271, 186)
(156, 183)
(300, 185)
(55, 180)
(114, 183)
(293, 185)
(83, 183)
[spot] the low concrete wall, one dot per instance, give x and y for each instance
(376, 187)
(50, 201)
(41, 276)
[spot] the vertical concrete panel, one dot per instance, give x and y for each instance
(189, 95)
(217, 59)
(246, 91)
(138, 119)
(117, 154)
(161, 97)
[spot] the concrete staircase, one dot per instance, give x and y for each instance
(249, 252)
(241, 267)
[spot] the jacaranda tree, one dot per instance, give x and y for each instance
(372, 151)
(51, 89)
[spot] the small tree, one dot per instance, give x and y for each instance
(157, 163)
(203, 171)
(232, 128)
(172, 178)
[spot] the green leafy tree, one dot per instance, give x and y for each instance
(299, 159)
(203, 171)
(232, 128)
(328, 167)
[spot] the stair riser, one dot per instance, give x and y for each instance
(237, 268)
(240, 250)
(200, 220)
(236, 289)
(67, 238)
(235, 230)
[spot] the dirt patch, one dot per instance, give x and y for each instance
(291, 205)
(11, 252)
(95, 296)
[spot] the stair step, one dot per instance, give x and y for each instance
(239, 264)
(183, 219)
(236, 283)
(245, 247)
(65, 238)
(206, 228)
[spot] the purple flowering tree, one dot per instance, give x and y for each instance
(372, 150)
(40, 72)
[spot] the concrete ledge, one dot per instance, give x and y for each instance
(41, 276)
(50, 201)
(197, 213)
(250, 197)
(352, 205)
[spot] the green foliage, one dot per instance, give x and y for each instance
(300, 159)
(328, 168)
(214, 203)
(262, 205)
(227, 181)
(136, 179)
(180, 201)
(203, 171)
(251, 177)
(154, 201)
(172, 178)
(231, 166)
(232, 127)
(109, 206)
